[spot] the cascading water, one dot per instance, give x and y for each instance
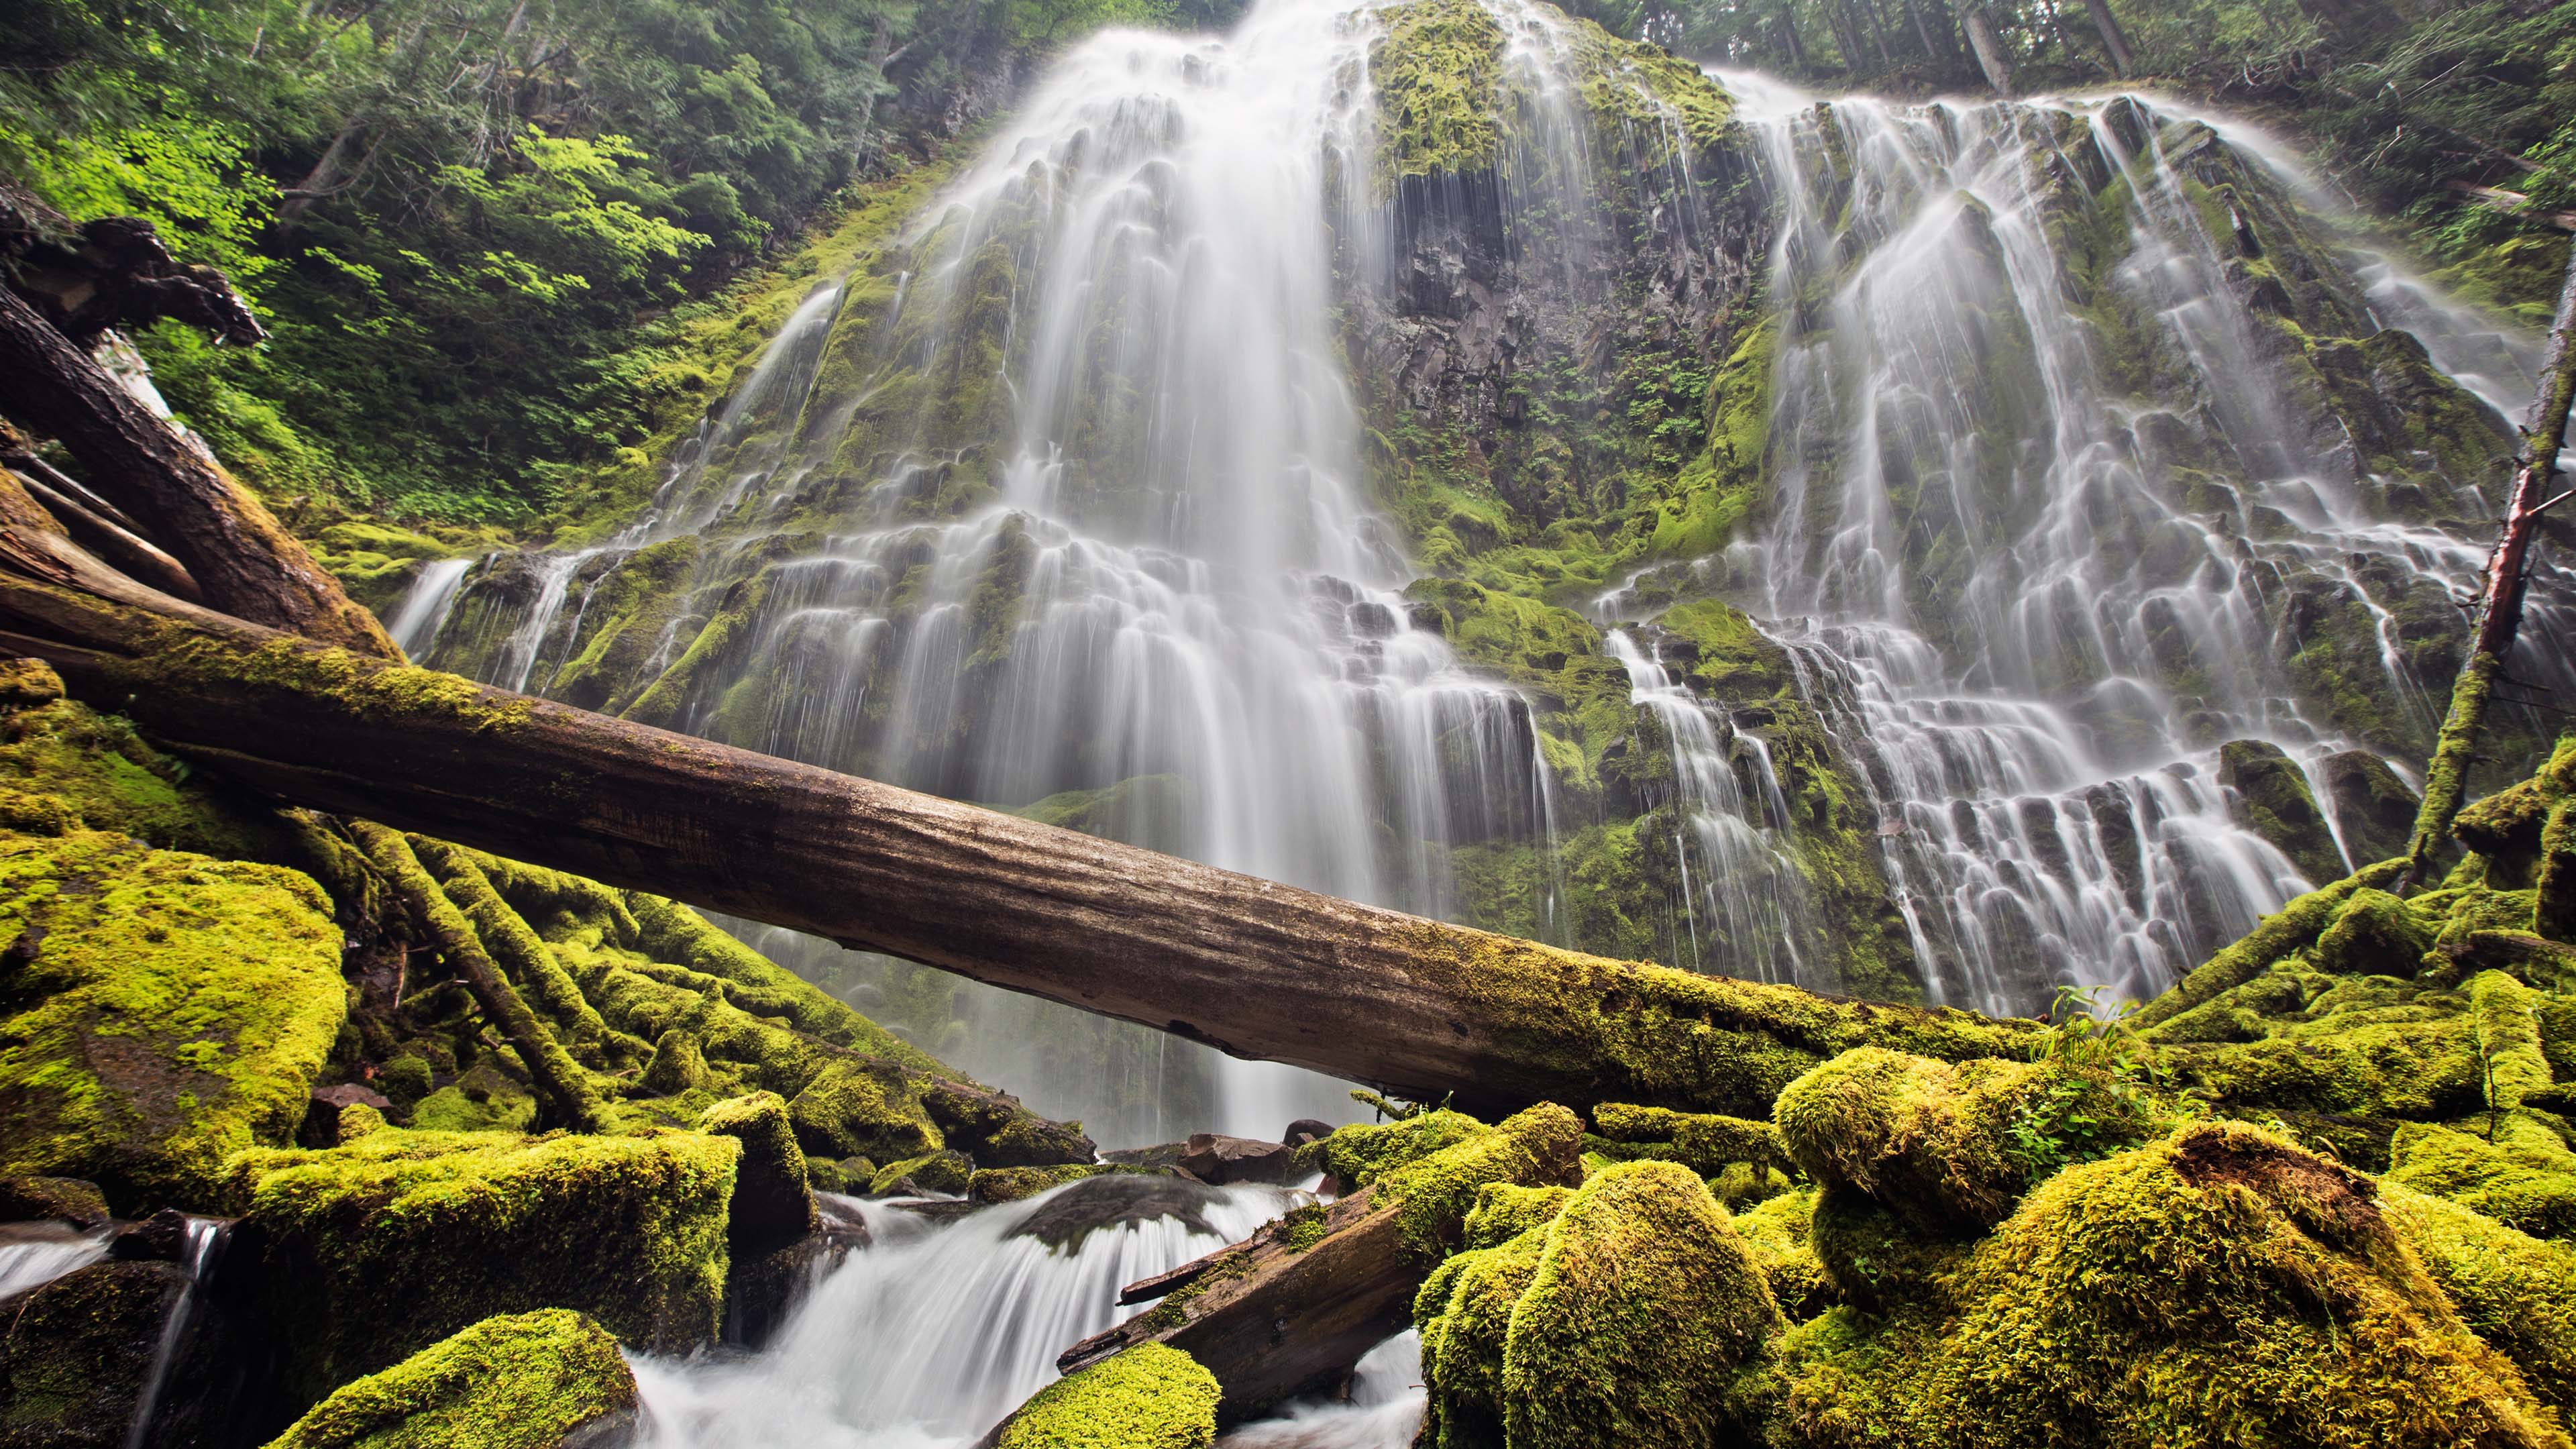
(35, 1254)
(935, 1331)
(2027, 597)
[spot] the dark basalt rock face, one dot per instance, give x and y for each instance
(1067, 1217)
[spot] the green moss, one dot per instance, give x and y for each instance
(175, 1009)
(382, 1246)
(1948, 1148)
(678, 1064)
(854, 1109)
(770, 1199)
(2515, 1291)
(1703, 1141)
(1875, 1259)
(2507, 1015)
(2554, 902)
(1465, 1314)
(943, 1172)
(2272, 800)
(525, 1381)
(62, 1199)
(1780, 1234)
(1359, 1154)
(1010, 1184)
(1434, 1194)
(2524, 1177)
(1643, 1306)
(2217, 1287)
(1147, 1397)
(2373, 934)
(96, 771)
(2293, 926)
(1436, 72)
(1505, 1210)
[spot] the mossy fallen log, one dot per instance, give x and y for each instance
(1253, 967)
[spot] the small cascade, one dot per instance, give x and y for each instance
(35, 1254)
(423, 608)
(1382, 1410)
(929, 1336)
(199, 1250)
(1746, 908)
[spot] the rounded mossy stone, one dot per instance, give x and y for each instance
(1505, 1210)
(1360, 1153)
(1434, 1194)
(864, 1109)
(2513, 1290)
(1011, 1184)
(1465, 1313)
(169, 1010)
(61, 1199)
(521, 1381)
(75, 1353)
(1148, 1397)
(936, 1172)
(2217, 1287)
(1944, 1147)
(2373, 934)
(2272, 799)
(377, 1248)
(405, 1079)
(770, 1198)
(678, 1064)
(1643, 1308)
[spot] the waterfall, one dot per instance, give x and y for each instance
(2039, 483)
(931, 1334)
(35, 1254)
(417, 617)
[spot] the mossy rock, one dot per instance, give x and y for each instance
(2513, 1290)
(96, 771)
(2219, 1286)
(2273, 801)
(2374, 934)
(1505, 1210)
(1011, 1184)
(1706, 1142)
(1948, 1148)
(166, 1011)
(934, 1172)
(60, 1199)
(1464, 1310)
(771, 1201)
(1872, 1258)
(2525, 1177)
(75, 1354)
(1435, 1193)
(394, 1240)
(1147, 1397)
(854, 1109)
(523, 1381)
(1362, 1152)
(1780, 1232)
(1643, 1307)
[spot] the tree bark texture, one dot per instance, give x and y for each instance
(1988, 43)
(244, 563)
(1252, 967)
(2124, 59)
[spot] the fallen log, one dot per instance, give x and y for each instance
(1252, 967)
(241, 559)
(1273, 1320)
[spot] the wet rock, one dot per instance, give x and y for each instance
(60, 1199)
(2269, 797)
(2373, 807)
(771, 1200)
(1216, 1158)
(944, 1173)
(1305, 1130)
(78, 1352)
(160, 1238)
(1163, 1155)
(763, 1288)
(1064, 1220)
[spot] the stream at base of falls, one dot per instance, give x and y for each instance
(938, 1328)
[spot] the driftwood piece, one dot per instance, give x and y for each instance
(1274, 1321)
(241, 559)
(1259, 969)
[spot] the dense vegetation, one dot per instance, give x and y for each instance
(473, 226)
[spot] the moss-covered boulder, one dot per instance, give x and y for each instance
(61, 1199)
(1642, 1308)
(375, 1249)
(1356, 1155)
(524, 1381)
(1148, 1397)
(1435, 1193)
(771, 1200)
(1780, 1233)
(76, 1354)
(1706, 1142)
(2514, 1168)
(1011, 1184)
(80, 767)
(2513, 1290)
(857, 1109)
(2374, 934)
(945, 1173)
(1464, 1310)
(2219, 1286)
(2269, 796)
(1949, 1149)
(164, 1011)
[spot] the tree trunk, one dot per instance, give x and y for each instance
(1255, 968)
(1789, 41)
(2499, 616)
(244, 563)
(2124, 59)
(1988, 43)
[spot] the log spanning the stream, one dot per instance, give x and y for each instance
(1252, 967)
